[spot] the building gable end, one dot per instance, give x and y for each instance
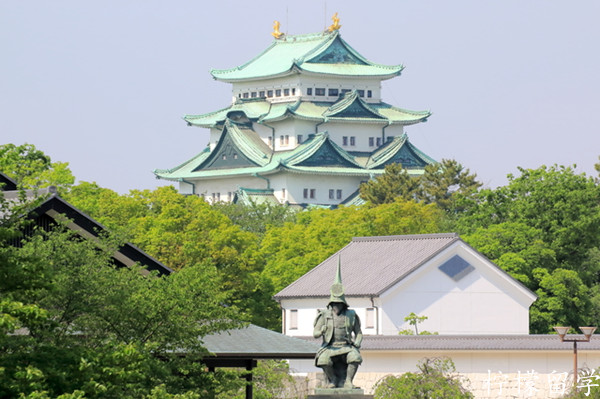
(337, 53)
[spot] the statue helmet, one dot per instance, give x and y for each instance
(337, 289)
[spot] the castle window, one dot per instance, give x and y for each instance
(224, 157)
(253, 94)
(313, 193)
(239, 95)
(352, 140)
(345, 140)
(333, 92)
(319, 92)
(378, 141)
(269, 93)
(371, 141)
(344, 91)
(287, 139)
(299, 139)
(280, 140)
(369, 93)
(286, 92)
(278, 93)
(361, 93)
(245, 95)
(293, 92)
(261, 93)
(270, 140)
(305, 193)
(331, 194)
(338, 194)
(283, 193)
(218, 196)
(235, 155)
(309, 91)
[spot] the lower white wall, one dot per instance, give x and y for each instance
(487, 374)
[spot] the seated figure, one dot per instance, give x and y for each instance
(339, 355)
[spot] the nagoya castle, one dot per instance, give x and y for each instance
(307, 124)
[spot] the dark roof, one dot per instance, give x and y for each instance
(370, 265)
(52, 204)
(258, 343)
(548, 342)
(6, 183)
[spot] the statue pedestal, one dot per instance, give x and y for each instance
(339, 393)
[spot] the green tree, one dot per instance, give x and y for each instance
(394, 182)
(436, 378)
(447, 184)
(99, 331)
(294, 248)
(257, 217)
(31, 168)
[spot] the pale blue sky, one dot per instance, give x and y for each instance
(103, 85)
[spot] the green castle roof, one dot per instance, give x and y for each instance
(349, 108)
(324, 53)
(318, 155)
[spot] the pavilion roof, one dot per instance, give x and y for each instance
(322, 53)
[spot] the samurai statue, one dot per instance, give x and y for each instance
(339, 355)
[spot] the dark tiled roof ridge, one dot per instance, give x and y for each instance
(406, 237)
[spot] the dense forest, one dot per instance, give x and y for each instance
(543, 228)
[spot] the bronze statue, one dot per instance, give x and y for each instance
(339, 355)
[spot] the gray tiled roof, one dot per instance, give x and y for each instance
(370, 265)
(257, 342)
(547, 342)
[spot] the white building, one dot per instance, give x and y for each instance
(480, 313)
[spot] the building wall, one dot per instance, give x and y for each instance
(296, 183)
(487, 374)
(485, 301)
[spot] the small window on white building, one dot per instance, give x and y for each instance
(299, 139)
(352, 140)
(269, 93)
(293, 319)
(270, 140)
(283, 193)
(261, 93)
(313, 193)
(286, 92)
(278, 93)
(369, 93)
(281, 140)
(371, 141)
(361, 93)
(338, 194)
(333, 92)
(319, 91)
(345, 140)
(253, 94)
(370, 319)
(378, 141)
(287, 139)
(293, 91)
(305, 193)
(331, 194)
(245, 95)
(309, 91)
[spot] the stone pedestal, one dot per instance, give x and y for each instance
(339, 393)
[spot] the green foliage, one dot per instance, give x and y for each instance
(271, 379)
(447, 184)
(255, 217)
(437, 378)
(88, 329)
(31, 168)
(293, 249)
(413, 319)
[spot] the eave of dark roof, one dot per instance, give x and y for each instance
(258, 343)
(56, 203)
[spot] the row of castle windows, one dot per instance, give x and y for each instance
(319, 91)
(311, 193)
(346, 140)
